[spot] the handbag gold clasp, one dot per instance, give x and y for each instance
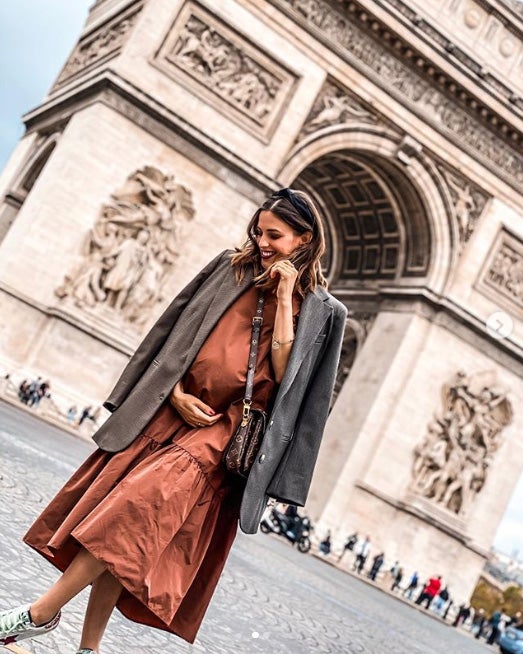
(246, 412)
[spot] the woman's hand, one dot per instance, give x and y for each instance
(191, 409)
(287, 274)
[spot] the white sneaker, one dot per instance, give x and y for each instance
(16, 625)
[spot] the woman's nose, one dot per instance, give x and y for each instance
(263, 242)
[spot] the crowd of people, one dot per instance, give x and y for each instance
(32, 392)
(430, 593)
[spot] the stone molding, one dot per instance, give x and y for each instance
(221, 66)
(336, 106)
(100, 45)
(472, 21)
(501, 278)
(170, 128)
(515, 6)
(403, 81)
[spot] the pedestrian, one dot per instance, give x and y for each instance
(440, 601)
(396, 579)
(413, 584)
(150, 517)
(349, 545)
(377, 562)
(23, 391)
(71, 414)
(362, 551)
(325, 544)
(478, 624)
(462, 615)
(34, 392)
(429, 592)
(495, 622)
(86, 413)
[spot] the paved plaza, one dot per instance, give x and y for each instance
(270, 600)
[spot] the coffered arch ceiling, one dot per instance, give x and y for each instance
(378, 230)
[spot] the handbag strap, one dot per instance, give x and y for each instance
(253, 355)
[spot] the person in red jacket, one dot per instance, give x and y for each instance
(430, 590)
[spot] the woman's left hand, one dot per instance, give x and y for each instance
(288, 275)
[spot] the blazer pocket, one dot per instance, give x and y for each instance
(321, 338)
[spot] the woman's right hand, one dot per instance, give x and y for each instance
(192, 410)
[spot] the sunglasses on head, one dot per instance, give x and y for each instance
(298, 203)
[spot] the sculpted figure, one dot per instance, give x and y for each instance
(450, 465)
(131, 246)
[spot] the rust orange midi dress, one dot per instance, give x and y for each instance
(162, 514)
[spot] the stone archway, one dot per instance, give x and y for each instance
(388, 208)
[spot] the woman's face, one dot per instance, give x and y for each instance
(276, 240)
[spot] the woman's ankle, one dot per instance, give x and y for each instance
(40, 614)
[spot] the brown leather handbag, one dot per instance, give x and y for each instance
(248, 436)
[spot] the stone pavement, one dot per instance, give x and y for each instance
(271, 599)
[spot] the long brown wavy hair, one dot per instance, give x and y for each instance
(296, 209)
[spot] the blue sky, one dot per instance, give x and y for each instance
(36, 36)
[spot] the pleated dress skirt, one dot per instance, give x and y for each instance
(162, 514)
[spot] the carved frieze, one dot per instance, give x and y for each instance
(468, 200)
(100, 45)
(339, 30)
(335, 105)
(502, 276)
(451, 463)
(215, 62)
(130, 249)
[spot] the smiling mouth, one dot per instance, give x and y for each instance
(267, 254)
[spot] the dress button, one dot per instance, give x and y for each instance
(162, 396)
(262, 458)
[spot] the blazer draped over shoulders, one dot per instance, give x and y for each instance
(284, 466)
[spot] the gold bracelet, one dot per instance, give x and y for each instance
(276, 343)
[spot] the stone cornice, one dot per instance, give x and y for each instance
(456, 56)
(439, 310)
(414, 80)
(141, 108)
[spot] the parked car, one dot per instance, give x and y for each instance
(511, 641)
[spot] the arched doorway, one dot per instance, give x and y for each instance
(391, 248)
(24, 182)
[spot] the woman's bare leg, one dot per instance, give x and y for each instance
(83, 570)
(102, 600)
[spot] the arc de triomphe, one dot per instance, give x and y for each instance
(172, 119)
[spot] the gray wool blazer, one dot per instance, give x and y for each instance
(285, 463)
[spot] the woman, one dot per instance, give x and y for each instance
(150, 517)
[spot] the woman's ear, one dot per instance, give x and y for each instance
(306, 238)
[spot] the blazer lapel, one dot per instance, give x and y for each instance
(314, 313)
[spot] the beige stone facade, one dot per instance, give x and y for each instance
(167, 125)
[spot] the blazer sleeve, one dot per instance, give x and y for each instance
(292, 480)
(155, 339)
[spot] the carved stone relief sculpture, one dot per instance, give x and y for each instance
(98, 46)
(335, 106)
(232, 74)
(502, 277)
(131, 248)
(401, 76)
(451, 463)
(468, 200)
